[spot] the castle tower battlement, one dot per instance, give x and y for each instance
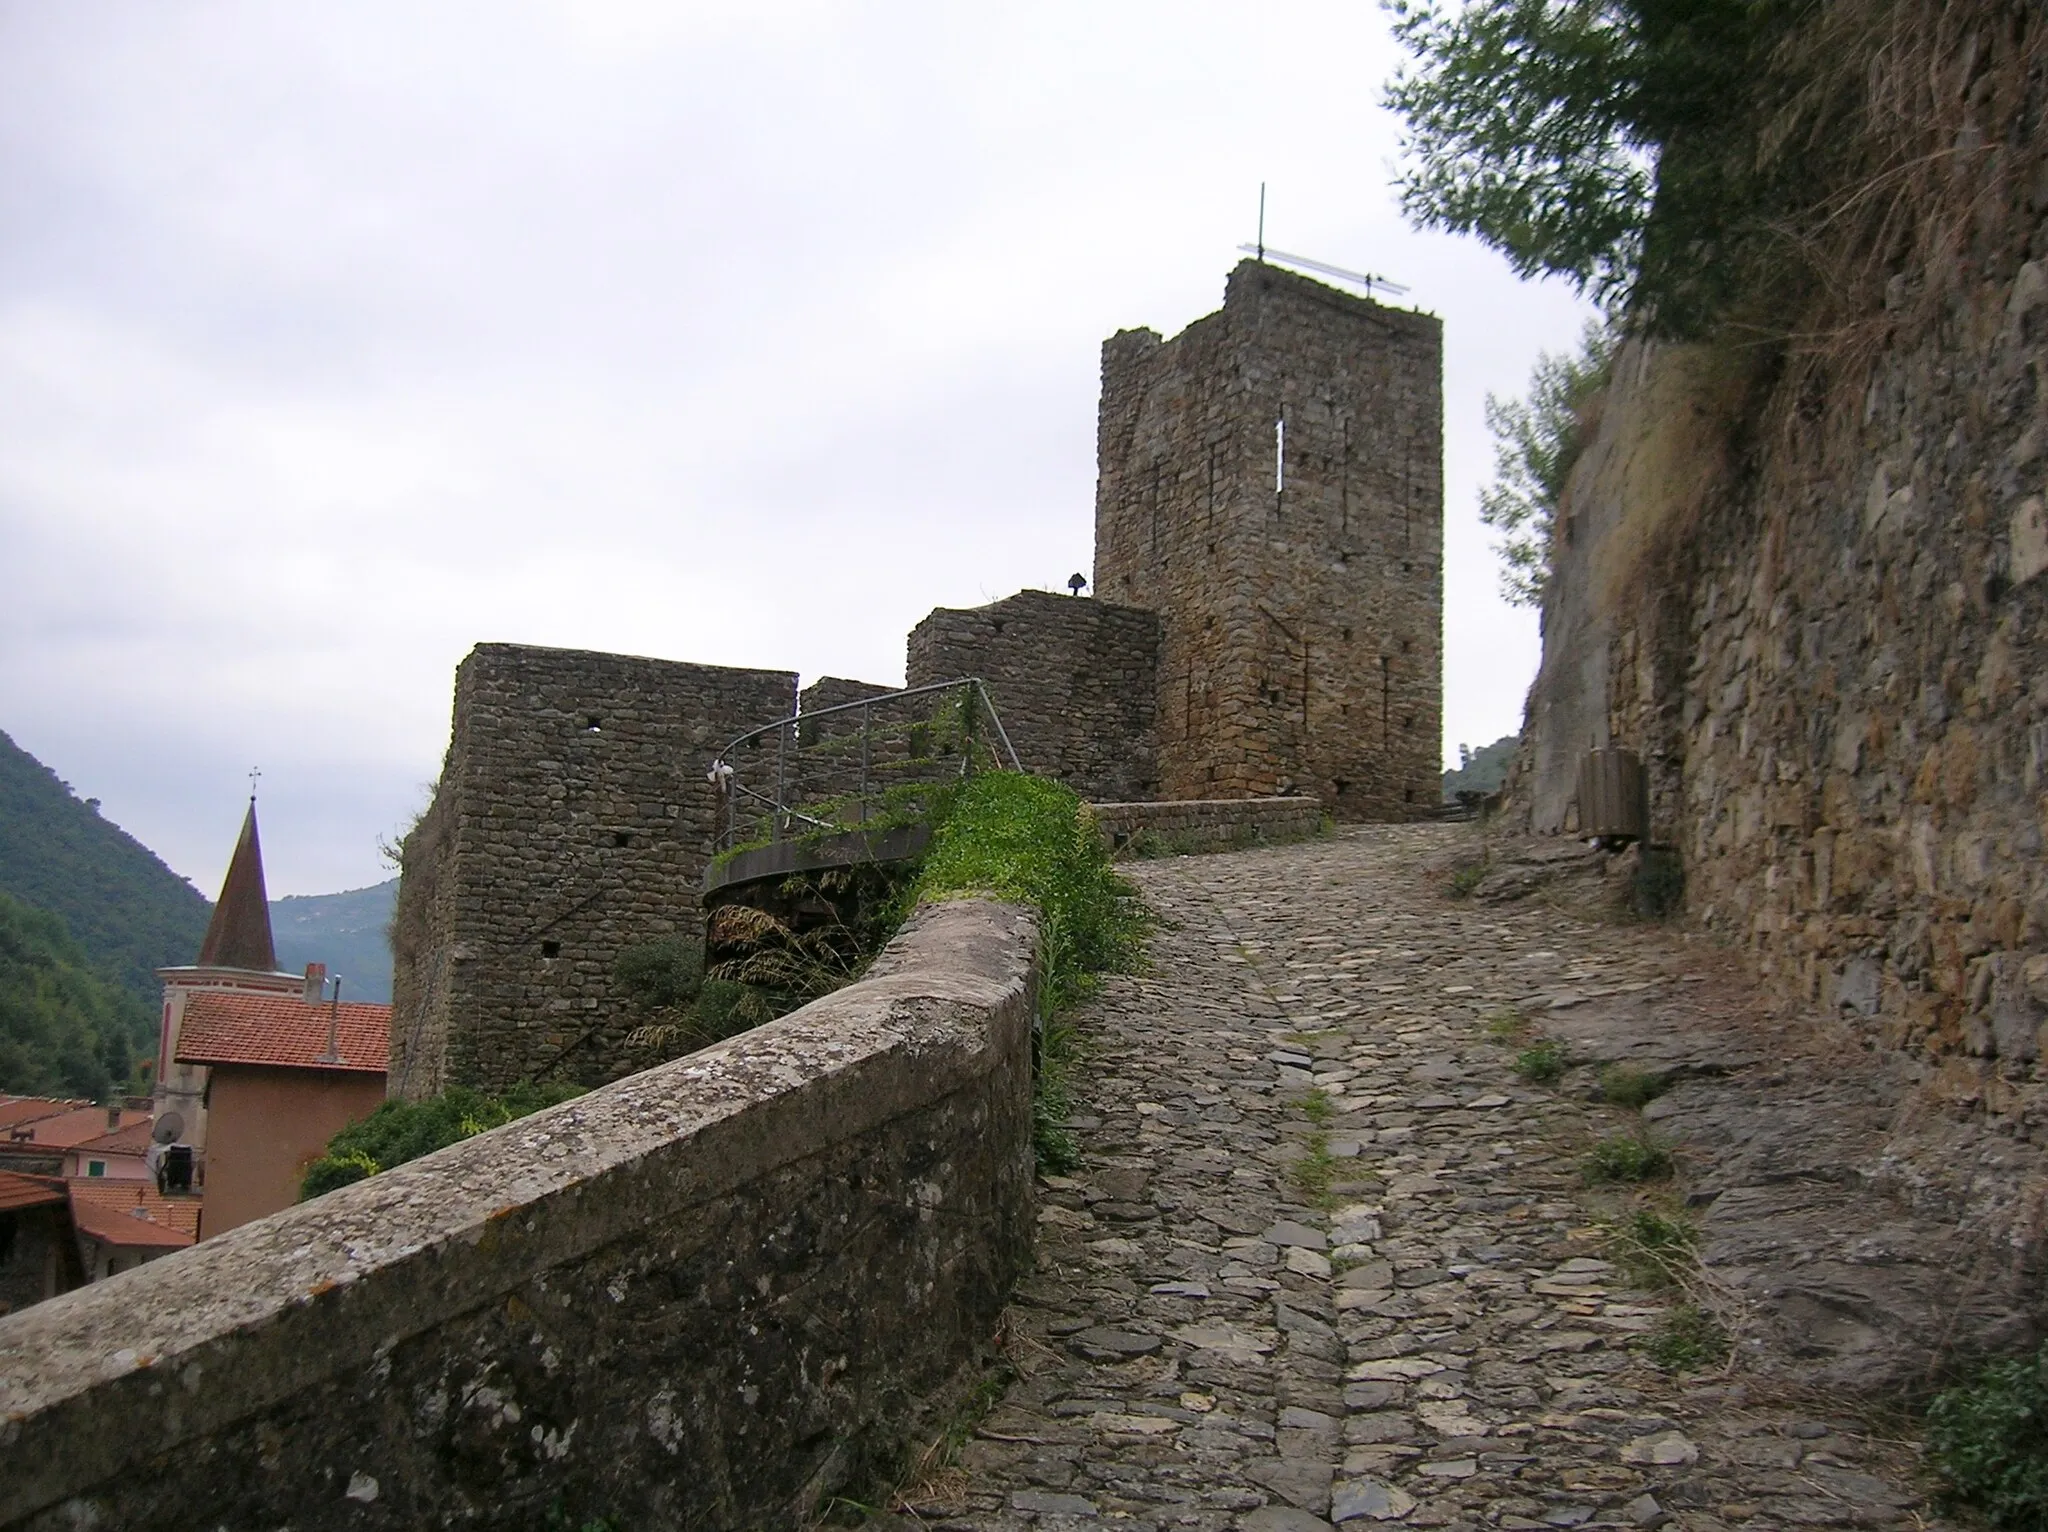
(1270, 482)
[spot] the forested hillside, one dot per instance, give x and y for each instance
(345, 931)
(127, 912)
(1482, 770)
(64, 1030)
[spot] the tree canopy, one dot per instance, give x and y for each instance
(1602, 141)
(1535, 443)
(64, 1030)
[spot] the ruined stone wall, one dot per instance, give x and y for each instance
(572, 820)
(1191, 824)
(1300, 587)
(1074, 681)
(832, 759)
(709, 1295)
(1814, 600)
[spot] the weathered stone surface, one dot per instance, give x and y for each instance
(1300, 587)
(1825, 643)
(1206, 824)
(571, 821)
(1074, 681)
(1488, 1369)
(701, 1296)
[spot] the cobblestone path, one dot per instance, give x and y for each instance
(1419, 1329)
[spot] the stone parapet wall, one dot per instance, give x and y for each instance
(572, 821)
(1300, 586)
(1208, 824)
(701, 1296)
(1074, 681)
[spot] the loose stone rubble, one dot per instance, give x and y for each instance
(1439, 1340)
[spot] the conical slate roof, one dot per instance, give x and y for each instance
(239, 936)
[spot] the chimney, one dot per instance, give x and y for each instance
(316, 982)
(114, 1117)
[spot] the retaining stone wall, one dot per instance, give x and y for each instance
(702, 1296)
(1208, 824)
(1302, 621)
(1817, 608)
(1073, 680)
(572, 820)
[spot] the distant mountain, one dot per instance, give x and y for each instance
(344, 931)
(127, 912)
(1482, 770)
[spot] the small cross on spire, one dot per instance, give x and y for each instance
(254, 773)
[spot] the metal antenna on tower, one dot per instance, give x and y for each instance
(1367, 280)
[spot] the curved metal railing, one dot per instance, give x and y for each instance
(835, 768)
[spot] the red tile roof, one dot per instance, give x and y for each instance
(132, 1213)
(230, 1027)
(15, 1110)
(20, 1191)
(131, 1139)
(68, 1129)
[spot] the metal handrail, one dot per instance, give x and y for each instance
(723, 776)
(867, 702)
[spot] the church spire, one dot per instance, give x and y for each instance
(239, 936)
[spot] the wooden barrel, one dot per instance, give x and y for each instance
(1613, 797)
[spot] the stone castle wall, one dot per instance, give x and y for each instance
(1817, 605)
(710, 1295)
(572, 821)
(1073, 681)
(1300, 590)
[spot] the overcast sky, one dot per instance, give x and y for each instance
(335, 339)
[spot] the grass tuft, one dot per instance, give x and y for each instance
(1506, 1025)
(1627, 1157)
(1623, 1085)
(1465, 879)
(1029, 839)
(1543, 1064)
(1653, 1249)
(1313, 1173)
(1688, 1339)
(1317, 1108)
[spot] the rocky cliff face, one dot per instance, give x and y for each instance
(1805, 580)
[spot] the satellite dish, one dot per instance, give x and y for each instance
(170, 1127)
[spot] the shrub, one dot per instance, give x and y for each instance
(1026, 838)
(1627, 1157)
(404, 1130)
(1543, 1064)
(659, 974)
(1988, 1439)
(1625, 1086)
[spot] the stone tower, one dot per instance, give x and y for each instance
(1270, 481)
(571, 822)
